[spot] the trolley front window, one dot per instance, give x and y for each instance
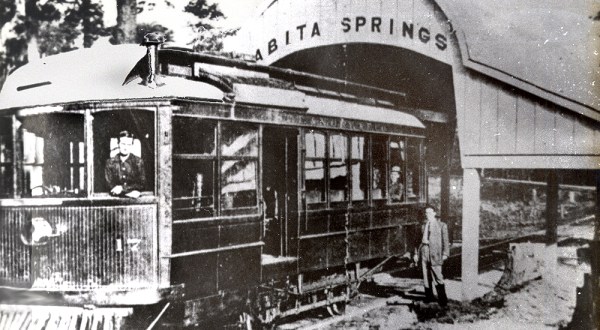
(53, 158)
(107, 128)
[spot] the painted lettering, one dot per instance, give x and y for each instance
(258, 55)
(272, 46)
(315, 30)
(391, 26)
(441, 41)
(375, 23)
(407, 29)
(424, 35)
(287, 37)
(346, 24)
(360, 21)
(301, 29)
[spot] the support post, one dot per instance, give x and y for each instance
(595, 260)
(445, 182)
(550, 255)
(470, 233)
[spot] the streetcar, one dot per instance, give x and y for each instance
(267, 192)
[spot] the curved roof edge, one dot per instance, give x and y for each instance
(507, 78)
(542, 63)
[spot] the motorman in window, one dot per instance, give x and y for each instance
(433, 251)
(124, 172)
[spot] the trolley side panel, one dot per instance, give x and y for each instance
(78, 247)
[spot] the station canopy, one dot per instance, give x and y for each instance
(547, 48)
(552, 45)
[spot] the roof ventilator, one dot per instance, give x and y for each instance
(152, 41)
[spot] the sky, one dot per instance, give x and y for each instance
(236, 12)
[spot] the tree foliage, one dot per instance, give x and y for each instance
(125, 30)
(207, 36)
(54, 26)
(205, 13)
(8, 10)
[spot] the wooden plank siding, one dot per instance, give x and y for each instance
(372, 233)
(216, 253)
(94, 247)
(501, 127)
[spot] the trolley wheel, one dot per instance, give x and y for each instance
(337, 308)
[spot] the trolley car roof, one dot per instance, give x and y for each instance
(97, 74)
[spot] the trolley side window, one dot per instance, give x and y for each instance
(414, 175)
(338, 167)
(239, 165)
(53, 155)
(194, 165)
(379, 172)
(6, 157)
(358, 167)
(107, 126)
(397, 169)
(314, 167)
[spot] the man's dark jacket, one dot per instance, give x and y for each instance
(129, 173)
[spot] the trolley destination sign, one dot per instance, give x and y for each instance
(363, 26)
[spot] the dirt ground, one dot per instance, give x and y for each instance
(539, 304)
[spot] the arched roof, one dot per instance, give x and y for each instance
(547, 48)
(94, 74)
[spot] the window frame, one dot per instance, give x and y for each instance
(221, 159)
(330, 160)
(217, 159)
(371, 139)
(208, 158)
(324, 160)
(385, 140)
(19, 165)
(367, 164)
(90, 141)
(89, 191)
(403, 148)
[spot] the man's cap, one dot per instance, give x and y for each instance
(125, 133)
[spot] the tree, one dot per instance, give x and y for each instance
(205, 13)
(27, 30)
(211, 40)
(88, 16)
(208, 38)
(8, 10)
(50, 27)
(125, 30)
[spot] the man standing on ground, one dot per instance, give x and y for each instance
(434, 250)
